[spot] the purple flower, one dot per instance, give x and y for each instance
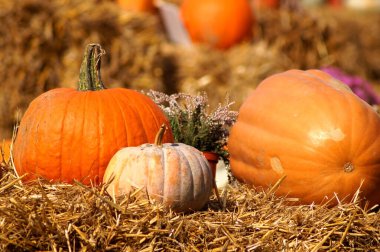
(359, 86)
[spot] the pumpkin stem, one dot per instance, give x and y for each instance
(89, 75)
(160, 135)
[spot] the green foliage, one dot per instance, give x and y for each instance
(192, 123)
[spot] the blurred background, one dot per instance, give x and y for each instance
(42, 44)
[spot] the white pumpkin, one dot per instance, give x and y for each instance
(175, 174)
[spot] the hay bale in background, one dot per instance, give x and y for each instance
(235, 72)
(318, 37)
(42, 42)
(283, 39)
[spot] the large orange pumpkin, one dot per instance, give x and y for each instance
(219, 23)
(176, 175)
(313, 129)
(68, 134)
(137, 5)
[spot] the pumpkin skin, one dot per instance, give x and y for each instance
(313, 129)
(68, 134)
(175, 174)
(218, 23)
(137, 5)
(266, 4)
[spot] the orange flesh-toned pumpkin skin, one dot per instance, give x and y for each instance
(68, 134)
(219, 23)
(311, 128)
(137, 5)
(259, 4)
(176, 175)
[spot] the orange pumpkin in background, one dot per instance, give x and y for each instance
(218, 23)
(313, 129)
(270, 4)
(137, 5)
(68, 134)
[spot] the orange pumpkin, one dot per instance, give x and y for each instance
(137, 5)
(219, 23)
(271, 4)
(176, 175)
(68, 134)
(313, 129)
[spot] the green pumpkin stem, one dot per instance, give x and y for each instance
(160, 135)
(89, 75)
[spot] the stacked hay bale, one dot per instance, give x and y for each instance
(62, 217)
(41, 45)
(286, 39)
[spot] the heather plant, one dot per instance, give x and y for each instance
(194, 123)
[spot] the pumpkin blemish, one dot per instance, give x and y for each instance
(319, 137)
(276, 165)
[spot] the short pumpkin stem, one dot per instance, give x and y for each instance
(160, 135)
(89, 75)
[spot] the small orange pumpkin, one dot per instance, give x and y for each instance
(137, 5)
(313, 129)
(219, 23)
(68, 134)
(177, 175)
(263, 4)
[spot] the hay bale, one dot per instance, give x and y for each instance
(42, 44)
(283, 39)
(235, 72)
(61, 217)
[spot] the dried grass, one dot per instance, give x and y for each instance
(61, 217)
(41, 45)
(283, 39)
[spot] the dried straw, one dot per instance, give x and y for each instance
(60, 217)
(41, 45)
(283, 39)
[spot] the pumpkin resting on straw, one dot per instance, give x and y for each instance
(68, 134)
(177, 175)
(313, 129)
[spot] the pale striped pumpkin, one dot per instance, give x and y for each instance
(175, 174)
